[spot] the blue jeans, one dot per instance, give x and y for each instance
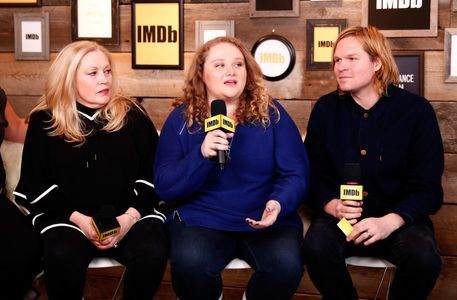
(199, 255)
(412, 248)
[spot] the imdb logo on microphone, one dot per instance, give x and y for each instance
(351, 192)
(220, 122)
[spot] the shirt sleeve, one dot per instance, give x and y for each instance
(180, 168)
(38, 189)
(145, 137)
(324, 185)
(292, 167)
(423, 193)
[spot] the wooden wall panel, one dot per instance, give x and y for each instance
(434, 86)
(450, 178)
(446, 286)
(159, 108)
(446, 112)
(445, 223)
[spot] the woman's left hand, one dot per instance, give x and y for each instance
(269, 216)
(126, 221)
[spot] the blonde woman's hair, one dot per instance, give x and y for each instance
(254, 101)
(59, 96)
(377, 46)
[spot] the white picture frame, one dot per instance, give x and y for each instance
(206, 30)
(31, 36)
(450, 55)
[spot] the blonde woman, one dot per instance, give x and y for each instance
(89, 150)
(246, 210)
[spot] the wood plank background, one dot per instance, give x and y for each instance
(24, 80)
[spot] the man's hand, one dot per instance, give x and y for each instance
(371, 230)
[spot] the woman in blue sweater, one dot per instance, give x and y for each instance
(248, 209)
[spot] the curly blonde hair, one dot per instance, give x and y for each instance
(254, 102)
(60, 95)
(377, 46)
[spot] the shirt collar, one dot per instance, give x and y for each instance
(87, 112)
(377, 111)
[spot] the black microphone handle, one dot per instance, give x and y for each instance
(218, 107)
(221, 158)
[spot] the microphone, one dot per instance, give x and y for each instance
(219, 120)
(105, 222)
(351, 189)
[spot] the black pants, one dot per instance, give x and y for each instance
(412, 248)
(143, 251)
(20, 256)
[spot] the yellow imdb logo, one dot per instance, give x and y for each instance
(351, 192)
(157, 34)
(219, 121)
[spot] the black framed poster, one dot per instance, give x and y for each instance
(411, 67)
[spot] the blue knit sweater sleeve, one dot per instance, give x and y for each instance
(180, 169)
(292, 166)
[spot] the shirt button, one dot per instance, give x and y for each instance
(365, 194)
(366, 115)
(363, 152)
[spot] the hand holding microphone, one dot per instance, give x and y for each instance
(351, 192)
(349, 208)
(105, 223)
(219, 128)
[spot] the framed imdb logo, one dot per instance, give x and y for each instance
(320, 39)
(157, 34)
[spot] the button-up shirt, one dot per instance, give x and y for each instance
(397, 143)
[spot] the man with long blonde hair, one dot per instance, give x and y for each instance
(391, 141)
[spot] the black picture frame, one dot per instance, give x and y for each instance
(402, 22)
(155, 43)
(275, 56)
(274, 8)
(313, 60)
(84, 20)
(411, 68)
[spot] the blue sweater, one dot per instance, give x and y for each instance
(266, 163)
(402, 159)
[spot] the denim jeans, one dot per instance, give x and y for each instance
(412, 248)
(198, 256)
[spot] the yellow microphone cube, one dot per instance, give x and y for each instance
(212, 123)
(105, 227)
(351, 192)
(227, 124)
